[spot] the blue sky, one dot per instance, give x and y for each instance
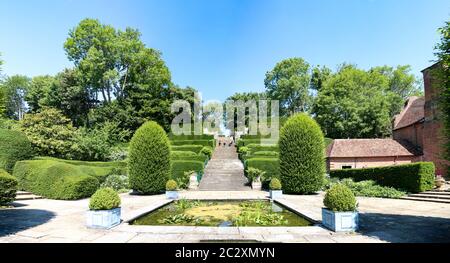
(225, 46)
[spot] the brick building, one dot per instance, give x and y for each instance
(417, 135)
(363, 153)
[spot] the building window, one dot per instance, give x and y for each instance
(346, 167)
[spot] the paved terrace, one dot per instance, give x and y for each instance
(382, 220)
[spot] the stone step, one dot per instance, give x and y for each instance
(432, 196)
(23, 196)
(434, 192)
(435, 200)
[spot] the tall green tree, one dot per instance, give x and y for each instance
(14, 88)
(443, 53)
(352, 104)
(289, 83)
(37, 92)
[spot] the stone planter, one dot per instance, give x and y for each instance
(439, 183)
(340, 221)
(256, 185)
(103, 219)
(172, 194)
(193, 182)
(275, 194)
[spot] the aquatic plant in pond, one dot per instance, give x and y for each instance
(222, 213)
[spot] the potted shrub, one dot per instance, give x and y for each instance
(254, 177)
(340, 214)
(104, 209)
(171, 189)
(275, 189)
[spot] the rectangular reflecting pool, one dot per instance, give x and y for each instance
(222, 213)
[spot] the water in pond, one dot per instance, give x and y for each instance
(222, 214)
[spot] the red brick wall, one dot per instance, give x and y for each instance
(433, 137)
(412, 133)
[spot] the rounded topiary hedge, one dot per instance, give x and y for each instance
(149, 159)
(8, 187)
(14, 146)
(340, 198)
(104, 199)
(275, 184)
(302, 155)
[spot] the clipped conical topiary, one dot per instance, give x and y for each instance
(149, 159)
(302, 155)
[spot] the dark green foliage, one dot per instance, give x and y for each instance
(415, 177)
(275, 184)
(209, 143)
(198, 157)
(254, 173)
(340, 199)
(182, 166)
(302, 155)
(8, 188)
(171, 185)
(14, 146)
(149, 159)
(328, 141)
(104, 199)
(271, 167)
(190, 148)
(371, 189)
(59, 180)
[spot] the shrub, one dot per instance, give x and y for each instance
(58, 180)
(181, 154)
(270, 166)
(190, 137)
(340, 199)
(171, 185)
(118, 182)
(302, 155)
(14, 146)
(104, 199)
(371, 189)
(51, 133)
(149, 159)
(180, 167)
(415, 177)
(254, 173)
(8, 188)
(275, 184)
(118, 154)
(189, 148)
(266, 154)
(207, 151)
(258, 148)
(210, 143)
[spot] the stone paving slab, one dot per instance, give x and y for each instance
(382, 220)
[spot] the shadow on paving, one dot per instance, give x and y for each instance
(405, 228)
(15, 220)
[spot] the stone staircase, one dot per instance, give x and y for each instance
(430, 196)
(224, 172)
(22, 196)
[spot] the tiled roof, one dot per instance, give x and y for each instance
(412, 113)
(367, 148)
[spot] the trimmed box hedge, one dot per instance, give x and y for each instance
(414, 178)
(189, 148)
(14, 146)
(259, 148)
(210, 143)
(58, 180)
(181, 166)
(173, 137)
(199, 158)
(8, 188)
(269, 165)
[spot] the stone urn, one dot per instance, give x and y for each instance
(193, 182)
(256, 184)
(439, 182)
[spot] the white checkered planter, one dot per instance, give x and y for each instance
(340, 221)
(103, 218)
